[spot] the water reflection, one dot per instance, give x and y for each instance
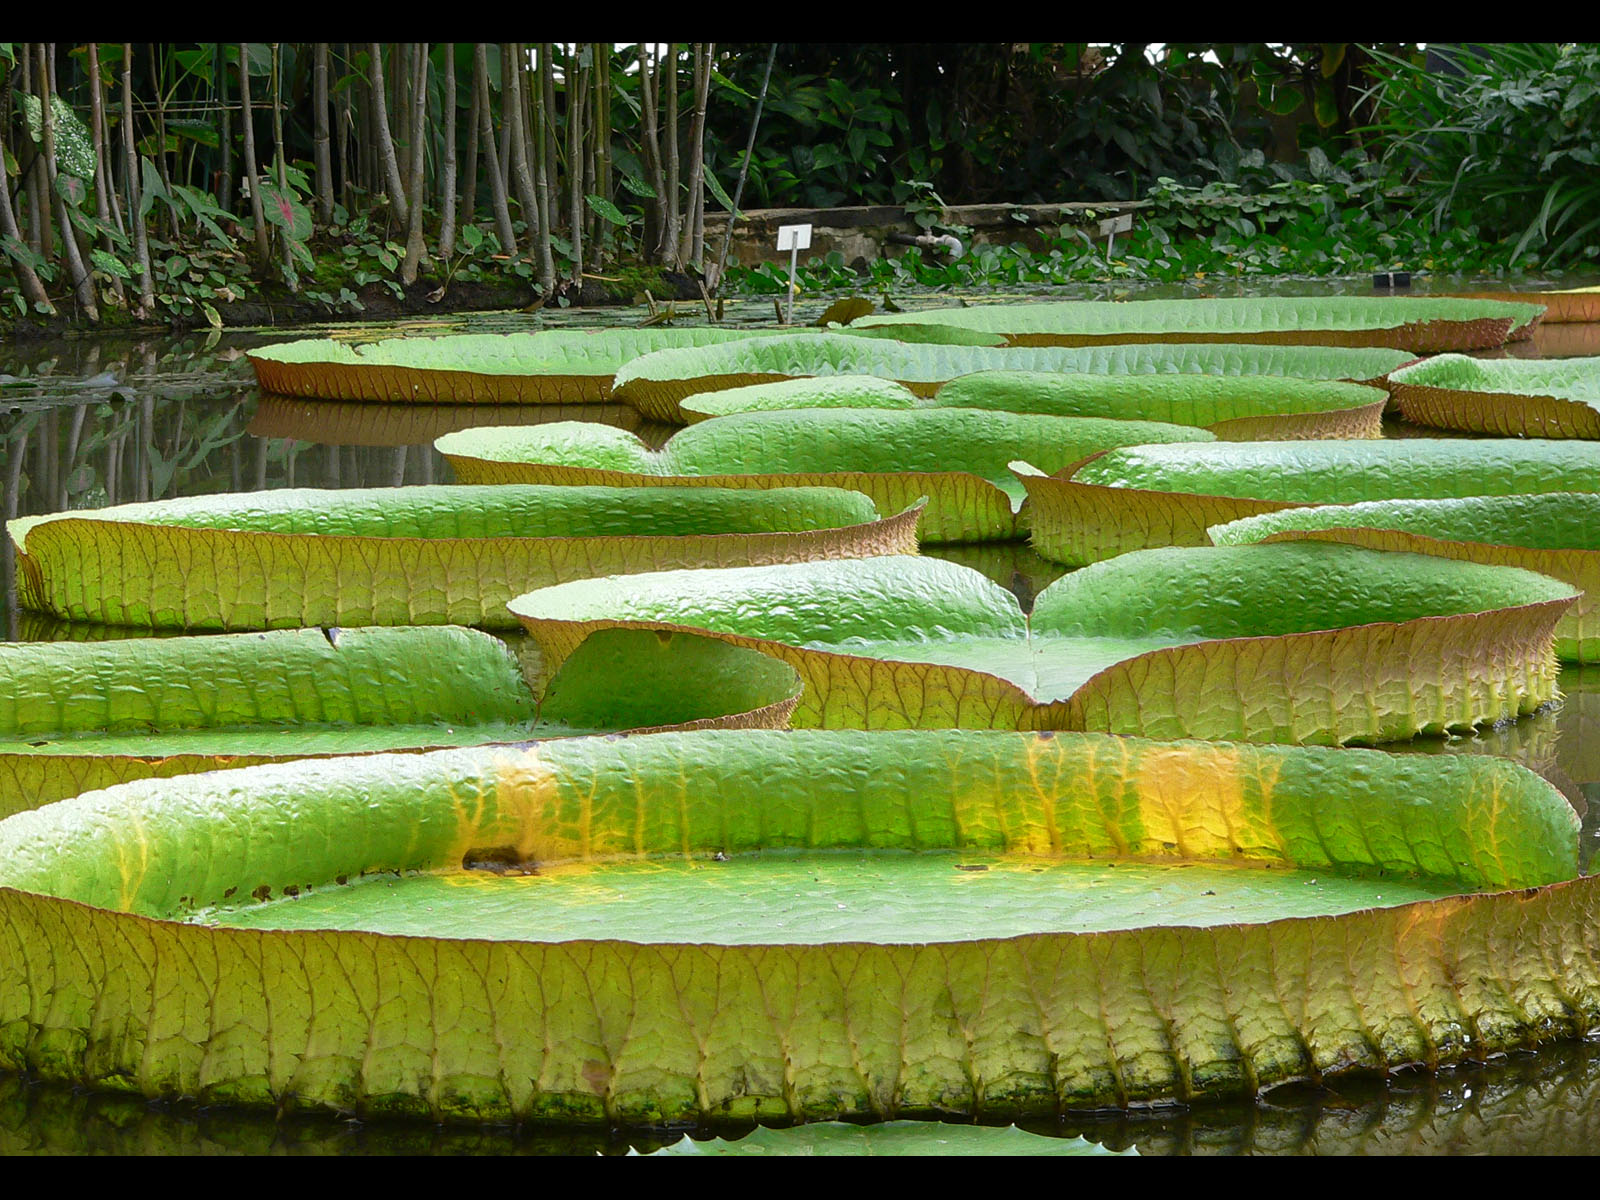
(90, 423)
(1545, 1103)
(335, 423)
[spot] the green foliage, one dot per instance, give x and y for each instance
(1333, 218)
(1506, 136)
(74, 146)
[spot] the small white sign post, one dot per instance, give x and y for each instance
(793, 238)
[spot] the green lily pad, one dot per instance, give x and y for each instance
(1417, 324)
(1556, 534)
(412, 555)
(956, 458)
(1306, 642)
(549, 367)
(77, 716)
(576, 950)
(1242, 408)
(1544, 398)
(657, 383)
(1562, 306)
(892, 1139)
(1141, 496)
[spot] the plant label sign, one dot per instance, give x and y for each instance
(793, 238)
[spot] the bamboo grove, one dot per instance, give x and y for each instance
(127, 163)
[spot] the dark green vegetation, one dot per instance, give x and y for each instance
(203, 182)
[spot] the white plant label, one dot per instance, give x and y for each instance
(794, 237)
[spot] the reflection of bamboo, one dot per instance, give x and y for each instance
(144, 435)
(8, 562)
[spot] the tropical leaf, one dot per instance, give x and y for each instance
(1242, 408)
(1557, 398)
(1132, 498)
(553, 367)
(410, 556)
(657, 383)
(1339, 644)
(956, 458)
(1038, 951)
(175, 706)
(1556, 534)
(1422, 325)
(285, 209)
(609, 211)
(74, 144)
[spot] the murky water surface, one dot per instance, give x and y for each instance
(87, 422)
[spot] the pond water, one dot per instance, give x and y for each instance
(87, 422)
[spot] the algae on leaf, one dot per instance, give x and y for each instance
(1290, 643)
(1420, 940)
(956, 458)
(1142, 496)
(411, 555)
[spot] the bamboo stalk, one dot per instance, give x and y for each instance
(516, 136)
(32, 286)
(225, 191)
(469, 163)
(103, 183)
(252, 177)
(669, 235)
(280, 164)
(544, 166)
(386, 151)
(447, 185)
(491, 155)
(419, 129)
(575, 90)
(319, 111)
(141, 241)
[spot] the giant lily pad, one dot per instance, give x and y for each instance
(1420, 325)
(1556, 534)
(955, 457)
(1305, 642)
(77, 716)
(416, 555)
(1562, 306)
(1241, 408)
(552, 367)
(1140, 496)
(1000, 927)
(1546, 398)
(657, 383)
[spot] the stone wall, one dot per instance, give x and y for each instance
(866, 232)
